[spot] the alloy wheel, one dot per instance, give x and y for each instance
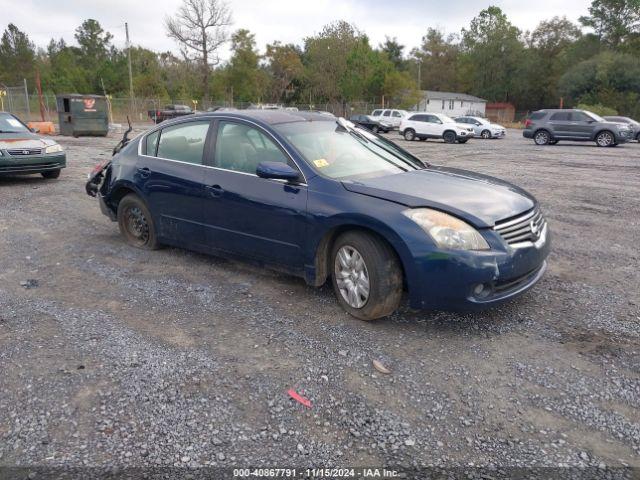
(486, 134)
(604, 139)
(542, 138)
(352, 276)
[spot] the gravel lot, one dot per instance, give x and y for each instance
(123, 357)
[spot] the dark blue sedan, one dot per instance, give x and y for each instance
(323, 199)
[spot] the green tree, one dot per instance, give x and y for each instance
(284, 65)
(394, 52)
(326, 58)
(616, 22)
(243, 73)
(17, 56)
(438, 60)
(544, 63)
(492, 53)
(610, 79)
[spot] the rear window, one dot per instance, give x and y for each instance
(537, 115)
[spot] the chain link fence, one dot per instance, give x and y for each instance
(26, 106)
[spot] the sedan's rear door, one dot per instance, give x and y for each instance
(170, 172)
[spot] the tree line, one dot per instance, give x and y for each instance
(594, 62)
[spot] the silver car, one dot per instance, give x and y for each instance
(483, 127)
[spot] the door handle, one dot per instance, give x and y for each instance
(144, 172)
(215, 190)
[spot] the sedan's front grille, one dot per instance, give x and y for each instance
(17, 152)
(524, 228)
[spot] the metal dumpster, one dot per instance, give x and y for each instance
(83, 115)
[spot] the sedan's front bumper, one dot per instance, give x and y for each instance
(32, 164)
(448, 280)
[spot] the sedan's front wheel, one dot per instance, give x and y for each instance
(136, 224)
(367, 276)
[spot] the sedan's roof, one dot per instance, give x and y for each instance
(273, 117)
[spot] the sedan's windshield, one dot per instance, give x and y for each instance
(10, 124)
(344, 153)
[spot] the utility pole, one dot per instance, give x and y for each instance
(126, 29)
(419, 74)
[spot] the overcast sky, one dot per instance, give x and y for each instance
(284, 20)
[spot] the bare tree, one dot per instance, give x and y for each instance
(200, 27)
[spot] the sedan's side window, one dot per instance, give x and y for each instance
(241, 148)
(184, 142)
(151, 144)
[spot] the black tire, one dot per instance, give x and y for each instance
(463, 140)
(409, 135)
(423, 139)
(485, 134)
(136, 224)
(384, 272)
(449, 136)
(553, 142)
(542, 137)
(51, 174)
(375, 129)
(605, 138)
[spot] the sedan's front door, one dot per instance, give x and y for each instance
(248, 215)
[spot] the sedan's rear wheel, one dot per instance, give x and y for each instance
(605, 139)
(409, 135)
(367, 277)
(136, 224)
(542, 137)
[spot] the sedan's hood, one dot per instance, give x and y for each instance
(479, 199)
(23, 140)
(495, 125)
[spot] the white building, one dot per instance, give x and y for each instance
(451, 104)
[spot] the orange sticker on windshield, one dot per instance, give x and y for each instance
(320, 163)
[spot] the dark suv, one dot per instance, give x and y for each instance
(548, 127)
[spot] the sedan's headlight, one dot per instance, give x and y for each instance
(447, 231)
(55, 148)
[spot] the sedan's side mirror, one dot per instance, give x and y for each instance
(277, 170)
